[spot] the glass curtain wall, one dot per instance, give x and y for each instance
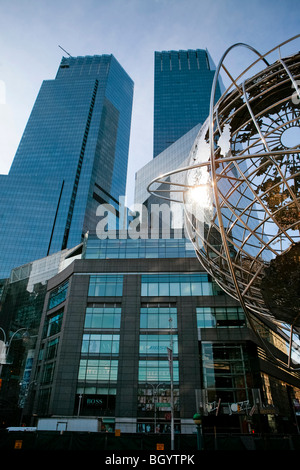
(158, 335)
(98, 369)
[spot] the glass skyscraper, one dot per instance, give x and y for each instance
(72, 157)
(182, 86)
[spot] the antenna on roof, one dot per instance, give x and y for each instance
(64, 50)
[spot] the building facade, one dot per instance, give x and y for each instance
(182, 86)
(22, 298)
(71, 158)
(128, 328)
(109, 323)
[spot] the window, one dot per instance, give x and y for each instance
(159, 396)
(225, 372)
(106, 285)
(58, 295)
(205, 317)
(43, 400)
(141, 248)
(102, 318)
(220, 317)
(52, 349)
(48, 372)
(53, 323)
(98, 370)
(158, 318)
(157, 371)
(155, 345)
(176, 285)
(100, 344)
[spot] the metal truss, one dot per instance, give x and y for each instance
(247, 168)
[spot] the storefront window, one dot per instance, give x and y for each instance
(91, 404)
(157, 396)
(225, 373)
(154, 409)
(163, 427)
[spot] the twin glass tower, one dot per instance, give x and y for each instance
(72, 157)
(182, 86)
(74, 151)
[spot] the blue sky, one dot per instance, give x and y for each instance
(31, 30)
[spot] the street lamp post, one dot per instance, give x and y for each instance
(26, 393)
(170, 359)
(155, 395)
(7, 345)
(198, 421)
(79, 404)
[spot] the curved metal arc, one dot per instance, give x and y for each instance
(267, 148)
(261, 56)
(262, 222)
(234, 81)
(213, 171)
(258, 198)
(217, 204)
(251, 232)
(220, 255)
(294, 82)
(237, 130)
(238, 110)
(208, 163)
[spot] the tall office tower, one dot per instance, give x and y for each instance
(72, 157)
(182, 86)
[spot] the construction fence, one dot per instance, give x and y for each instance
(83, 441)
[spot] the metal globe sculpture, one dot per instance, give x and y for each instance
(240, 189)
